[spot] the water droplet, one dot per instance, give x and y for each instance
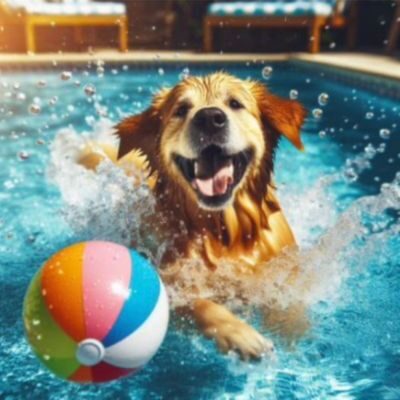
(100, 71)
(370, 151)
(317, 113)
(42, 83)
(161, 71)
(53, 101)
(70, 108)
(293, 94)
(381, 148)
(89, 89)
(350, 175)
(384, 134)
(66, 75)
(46, 357)
(369, 115)
(184, 74)
(23, 155)
(267, 72)
(322, 134)
(90, 120)
(35, 322)
(21, 96)
(77, 83)
(34, 109)
(323, 99)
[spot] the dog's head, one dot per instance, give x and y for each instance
(212, 135)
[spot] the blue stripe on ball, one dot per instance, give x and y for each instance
(145, 292)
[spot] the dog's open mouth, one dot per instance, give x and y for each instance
(214, 174)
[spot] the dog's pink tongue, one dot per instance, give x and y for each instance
(216, 185)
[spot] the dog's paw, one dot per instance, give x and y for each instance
(238, 336)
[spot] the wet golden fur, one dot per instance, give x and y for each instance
(252, 227)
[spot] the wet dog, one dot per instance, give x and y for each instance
(207, 146)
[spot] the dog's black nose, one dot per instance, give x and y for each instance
(211, 119)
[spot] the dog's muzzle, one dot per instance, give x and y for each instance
(208, 127)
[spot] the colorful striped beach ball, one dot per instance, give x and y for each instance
(96, 311)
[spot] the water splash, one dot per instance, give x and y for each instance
(108, 204)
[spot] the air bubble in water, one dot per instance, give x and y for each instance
(77, 83)
(161, 71)
(42, 83)
(323, 99)
(369, 115)
(267, 72)
(293, 94)
(66, 75)
(89, 89)
(317, 113)
(384, 134)
(34, 109)
(322, 134)
(23, 155)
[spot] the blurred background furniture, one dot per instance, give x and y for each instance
(310, 14)
(153, 23)
(75, 13)
(394, 31)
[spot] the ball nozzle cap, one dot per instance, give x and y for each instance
(90, 352)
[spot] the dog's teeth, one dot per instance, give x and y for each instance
(196, 168)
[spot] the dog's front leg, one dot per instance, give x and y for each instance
(229, 332)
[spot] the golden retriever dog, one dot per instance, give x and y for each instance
(207, 146)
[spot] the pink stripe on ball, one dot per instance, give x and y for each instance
(106, 281)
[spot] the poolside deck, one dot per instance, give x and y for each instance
(377, 65)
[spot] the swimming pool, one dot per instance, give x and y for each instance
(341, 196)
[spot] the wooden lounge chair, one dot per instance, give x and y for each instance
(77, 13)
(310, 14)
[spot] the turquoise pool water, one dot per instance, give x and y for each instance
(342, 197)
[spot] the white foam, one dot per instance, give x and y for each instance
(98, 205)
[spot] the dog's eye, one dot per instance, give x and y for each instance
(234, 104)
(181, 111)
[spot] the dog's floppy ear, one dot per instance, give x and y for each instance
(281, 115)
(140, 132)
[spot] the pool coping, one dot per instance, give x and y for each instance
(377, 73)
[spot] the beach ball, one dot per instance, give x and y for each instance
(96, 311)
